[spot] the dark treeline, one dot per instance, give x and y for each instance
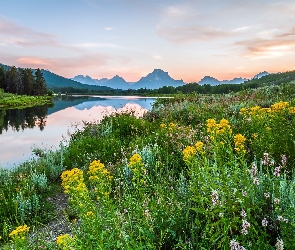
(22, 81)
(20, 119)
(72, 90)
(190, 88)
(271, 79)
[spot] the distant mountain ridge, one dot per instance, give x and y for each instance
(54, 80)
(154, 80)
(213, 81)
(261, 74)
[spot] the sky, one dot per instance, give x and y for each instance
(189, 39)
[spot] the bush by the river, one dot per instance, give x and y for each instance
(197, 172)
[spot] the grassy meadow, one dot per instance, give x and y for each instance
(196, 172)
(8, 100)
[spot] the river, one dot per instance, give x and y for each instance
(46, 126)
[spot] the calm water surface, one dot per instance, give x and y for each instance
(45, 127)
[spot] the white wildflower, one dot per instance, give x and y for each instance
(276, 172)
(214, 197)
(243, 213)
(235, 245)
(265, 159)
(280, 244)
(245, 226)
(264, 222)
(267, 195)
(256, 181)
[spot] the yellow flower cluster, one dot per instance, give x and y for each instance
(251, 111)
(191, 151)
(73, 181)
(97, 169)
(211, 123)
(19, 232)
(101, 178)
(291, 110)
(239, 140)
(138, 169)
(275, 108)
(199, 146)
(90, 213)
(64, 240)
(135, 160)
(188, 152)
(279, 106)
(218, 128)
(170, 126)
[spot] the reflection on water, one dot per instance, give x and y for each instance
(45, 127)
(20, 119)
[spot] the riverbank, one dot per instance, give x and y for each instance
(9, 101)
(196, 172)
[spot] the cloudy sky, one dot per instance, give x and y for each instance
(188, 38)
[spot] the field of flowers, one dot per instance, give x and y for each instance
(197, 172)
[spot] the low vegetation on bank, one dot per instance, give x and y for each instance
(8, 100)
(196, 172)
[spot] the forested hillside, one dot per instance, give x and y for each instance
(22, 81)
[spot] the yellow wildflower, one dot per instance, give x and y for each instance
(239, 140)
(199, 146)
(172, 125)
(211, 123)
(64, 240)
(134, 160)
(69, 177)
(254, 136)
(188, 152)
(292, 110)
(97, 170)
(218, 128)
(279, 106)
(19, 232)
(100, 177)
(266, 110)
(243, 111)
(162, 125)
(90, 213)
(254, 110)
(95, 166)
(94, 177)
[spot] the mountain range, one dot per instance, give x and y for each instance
(154, 80)
(213, 81)
(157, 79)
(54, 80)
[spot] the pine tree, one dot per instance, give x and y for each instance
(3, 84)
(40, 84)
(19, 86)
(10, 79)
(28, 81)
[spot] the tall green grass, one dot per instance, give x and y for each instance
(197, 172)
